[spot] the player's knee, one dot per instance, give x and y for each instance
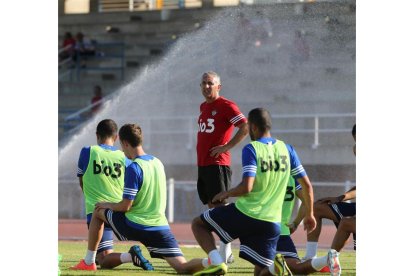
(318, 207)
(104, 262)
(99, 214)
(181, 270)
(347, 224)
(196, 223)
(260, 271)
(321, 210)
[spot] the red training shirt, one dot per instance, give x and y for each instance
(215, 127)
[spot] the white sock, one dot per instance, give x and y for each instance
(225, 250)
(126, 258)
(272, 269)
(215, 257)
(311, 250)
(319, 262)
(205, 263)
(90, 257)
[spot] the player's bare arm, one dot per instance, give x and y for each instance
(81, 182)
(301, 213)
(309, 220)
(245, 187)
(237, 138)
(122, 206)
(351, 194)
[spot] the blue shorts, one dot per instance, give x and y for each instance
(160, 243)
(286, 247)
(344, 209)
(258, 238)
(107, 241)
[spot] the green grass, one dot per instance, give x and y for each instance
(73, 251)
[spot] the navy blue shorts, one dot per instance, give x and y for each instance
(286, 247)
(344, 209)
(107, 241)
(258, 238)
(160, 243)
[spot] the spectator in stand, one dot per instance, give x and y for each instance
(84, 48)
(301, 52)
(244, 36)
(96, 99)
(69, 42)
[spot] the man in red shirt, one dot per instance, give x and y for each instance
(218, 117)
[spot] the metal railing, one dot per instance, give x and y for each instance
(189, 126)
(65, 64)
(185, 209)
(75, 120)
(171, 187)
(316, 129)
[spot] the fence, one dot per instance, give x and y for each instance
(186, 204)
(186, 126)
(183, 203)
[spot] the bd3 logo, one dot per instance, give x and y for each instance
(108, 170)
(273, 165)
(209, 128)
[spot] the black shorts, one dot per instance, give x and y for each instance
(212, 180)
(344, 209)
(286, 247)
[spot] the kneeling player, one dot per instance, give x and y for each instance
(287, 260)
(140, 216)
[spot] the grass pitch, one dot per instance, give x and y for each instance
(73, 251)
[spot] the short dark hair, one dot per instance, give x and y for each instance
(131, 133)
(260, 117)
(106, 128)
(354, 130)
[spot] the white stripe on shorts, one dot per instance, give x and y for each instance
(337, 210)
(264, 261)
(105, 244)
(223, 233)
(109, 217)
(165, 250)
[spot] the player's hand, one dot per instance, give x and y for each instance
(328, 200)
(309, 223)
(220, 197)
(292, 227)
(217, 150)
(102, 205)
